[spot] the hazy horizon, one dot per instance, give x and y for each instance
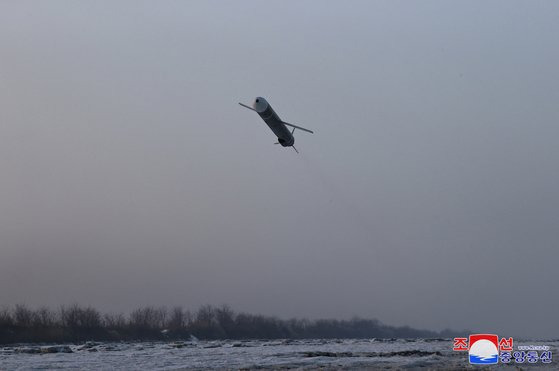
(426, 197)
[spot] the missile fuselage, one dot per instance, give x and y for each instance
(271, 118)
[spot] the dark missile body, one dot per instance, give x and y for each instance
(278, 127)
(271, 118)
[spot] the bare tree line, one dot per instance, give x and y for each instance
(75, 323)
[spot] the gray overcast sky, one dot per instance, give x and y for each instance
(428, 195)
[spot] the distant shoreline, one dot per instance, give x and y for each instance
(70, 324)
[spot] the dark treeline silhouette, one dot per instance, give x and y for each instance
(75, 323)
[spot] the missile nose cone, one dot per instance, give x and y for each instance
(260, 104)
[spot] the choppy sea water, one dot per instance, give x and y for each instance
(424, 354)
